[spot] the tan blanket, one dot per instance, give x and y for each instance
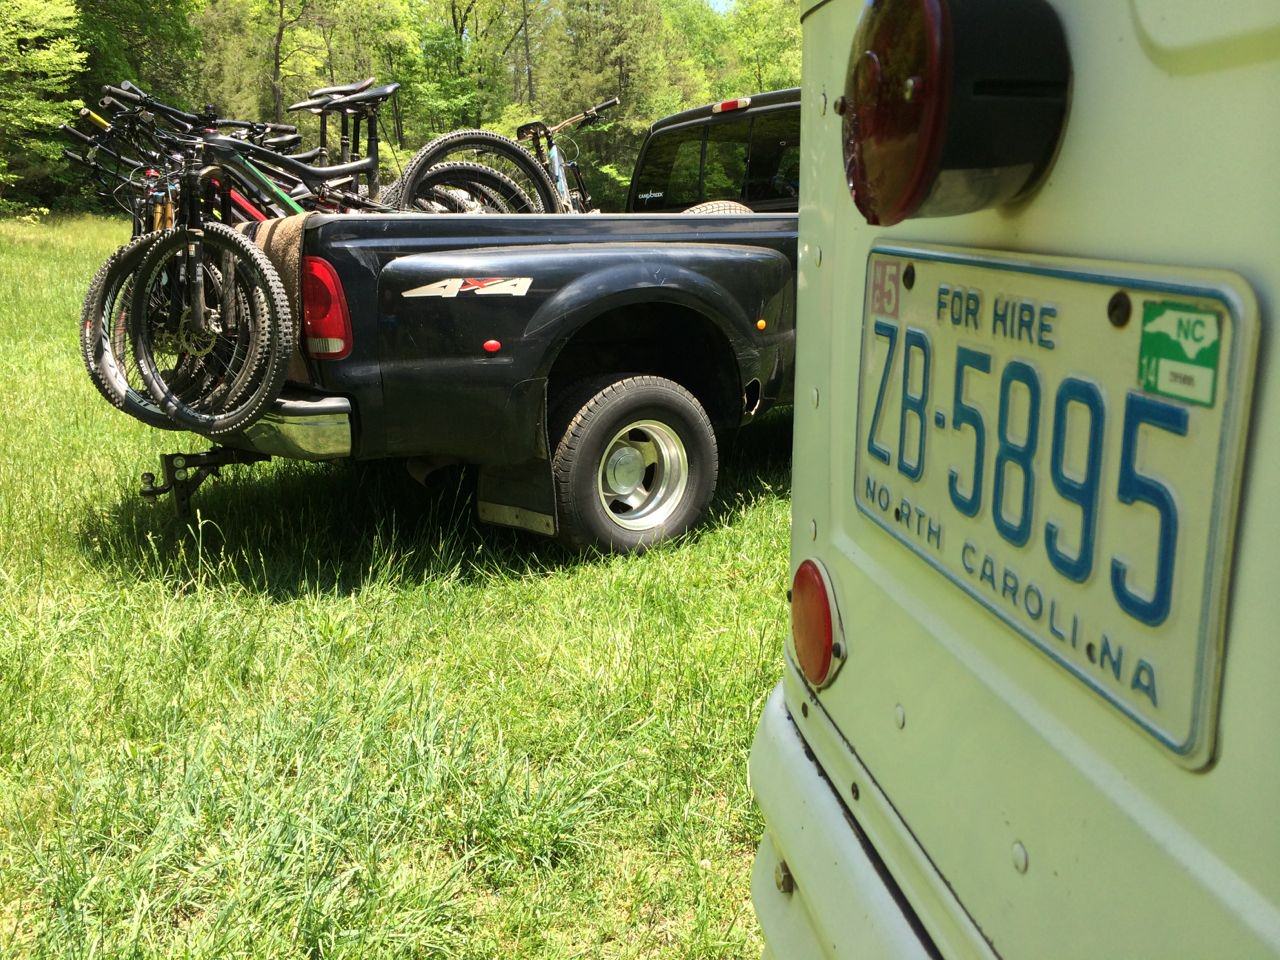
(281, 240)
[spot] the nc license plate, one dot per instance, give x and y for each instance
(1062, 440)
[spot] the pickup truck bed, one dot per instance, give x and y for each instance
(465, 331)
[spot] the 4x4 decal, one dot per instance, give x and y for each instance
(480, 286)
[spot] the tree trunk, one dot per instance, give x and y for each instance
(277, 92)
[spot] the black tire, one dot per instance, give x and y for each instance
(594, 466)
(489, 149)
(390, 195)
(719, 206)
(103, 318)
(471, 188)
(240, 368)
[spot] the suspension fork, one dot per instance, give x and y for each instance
(193, 222)
(556, 163)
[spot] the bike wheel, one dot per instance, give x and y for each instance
(391, 193)
(491, 150)
(470, 188)
(107, 357)
(217, 377)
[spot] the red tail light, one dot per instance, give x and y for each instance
(724, 106)
(326, 325)
(895, 107)
(813, 625)
(951, 106)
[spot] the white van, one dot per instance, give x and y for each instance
(1031, 703)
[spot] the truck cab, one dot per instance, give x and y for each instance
(1027, 705)
(744, 150)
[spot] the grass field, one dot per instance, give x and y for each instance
(346, 720)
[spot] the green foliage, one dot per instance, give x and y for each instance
(460, 63)
(763, 45)
(39, 59)
(152, 44)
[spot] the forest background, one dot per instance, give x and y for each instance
(461, 63)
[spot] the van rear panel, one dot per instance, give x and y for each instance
(1102, 780)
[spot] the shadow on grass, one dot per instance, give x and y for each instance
(288, 527)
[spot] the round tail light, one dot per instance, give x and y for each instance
(813, 625)
(951, 105)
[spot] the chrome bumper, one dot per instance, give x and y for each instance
(300, 427)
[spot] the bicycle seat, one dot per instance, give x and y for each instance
(343, 90)
(365, 98)
(314, 104)
(293, 166)
(284, 142)
(299, 168)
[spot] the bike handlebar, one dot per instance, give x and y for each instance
(132, 94)
(75, 134)
(139, 99)
(607, 105)
(122, 94)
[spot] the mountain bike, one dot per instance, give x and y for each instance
(542, 175)
(266, 181)
(548, 154)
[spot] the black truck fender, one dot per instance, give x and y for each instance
(531, 304)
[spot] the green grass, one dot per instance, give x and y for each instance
(345, 719)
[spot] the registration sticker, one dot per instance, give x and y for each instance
(1003, 438)
(1179, 354)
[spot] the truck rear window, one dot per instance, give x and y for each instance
(773, 174)
(669, 178)
(725, 167)
(754, 159)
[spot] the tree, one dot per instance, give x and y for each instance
(39, 58)
(764, 46)
(155, 45)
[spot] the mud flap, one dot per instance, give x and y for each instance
(521, 496)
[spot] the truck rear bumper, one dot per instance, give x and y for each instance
(841, 903)
(300, 427)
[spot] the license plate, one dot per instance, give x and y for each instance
(1062, 440)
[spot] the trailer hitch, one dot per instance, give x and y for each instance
(184, 472)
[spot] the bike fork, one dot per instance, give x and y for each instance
(194, 223)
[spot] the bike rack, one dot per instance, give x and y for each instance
(184, 472)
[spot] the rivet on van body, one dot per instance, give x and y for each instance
(813, 529)
(817, 256)
(853, 790)
(823, 111)
(816, 398)
(1020, 859)
(1119, 309)
(900, 716)
(782, 878)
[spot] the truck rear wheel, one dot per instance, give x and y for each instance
(636, 462)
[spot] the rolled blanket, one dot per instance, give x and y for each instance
(281, 240)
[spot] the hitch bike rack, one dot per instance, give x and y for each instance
(184, 472)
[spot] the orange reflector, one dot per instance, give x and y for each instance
(812, 628)
(760, 324)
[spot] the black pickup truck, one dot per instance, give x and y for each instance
(589, 365)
